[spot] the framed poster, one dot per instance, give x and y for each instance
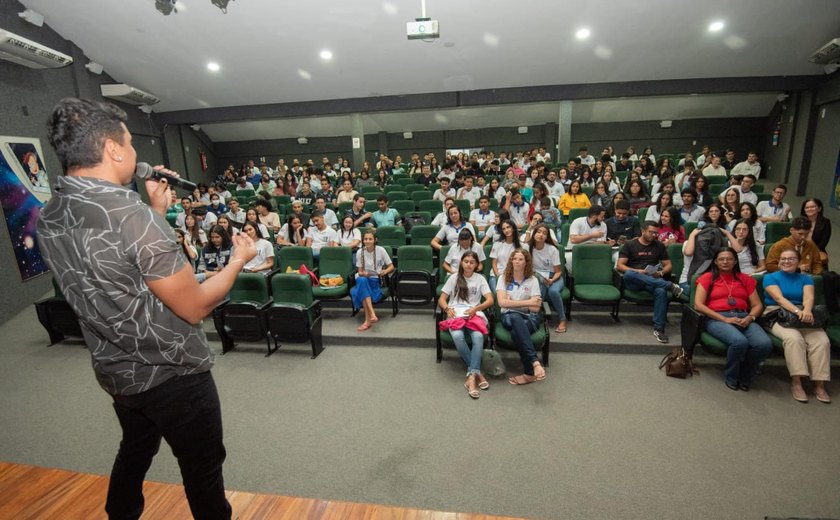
(24, 189)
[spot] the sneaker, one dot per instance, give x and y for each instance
(676, 290)
(660, 336)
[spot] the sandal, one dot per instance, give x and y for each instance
(539, 371)
(799, 394)
(364, 326)
(560, 329)
(374, 319)
(521, 379)
(483, 384)
(472, 391)
(823, 397)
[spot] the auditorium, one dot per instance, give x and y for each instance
(597, 235)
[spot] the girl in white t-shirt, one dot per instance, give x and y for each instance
(519, 298)
(466, 243)
(373, 264)
(546, 259)
(349, 235)
(263, 262)
(502, 250)
(293, 233)
(462, 298)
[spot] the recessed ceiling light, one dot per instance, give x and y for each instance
(213, 66)
(326, 55)
(583, 34)
(715, 26)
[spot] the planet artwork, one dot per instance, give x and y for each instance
(21, 209)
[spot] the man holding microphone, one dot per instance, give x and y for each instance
(117, 263)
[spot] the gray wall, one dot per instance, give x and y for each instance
(183, 145)
(28, 98)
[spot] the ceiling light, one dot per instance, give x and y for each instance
(165, 7)
(213, 66)
(583, 33)
(715, 26)
(221, 4)
(326, 55)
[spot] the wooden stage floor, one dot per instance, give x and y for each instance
(30, 492)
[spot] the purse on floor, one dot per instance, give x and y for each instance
(678, 364)
(491, 363)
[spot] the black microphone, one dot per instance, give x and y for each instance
(145, 171)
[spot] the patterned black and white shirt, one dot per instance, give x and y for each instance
(101, 243)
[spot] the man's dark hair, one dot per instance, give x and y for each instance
(622, 204)
(199, 212)
(483, 197)
(752, 177)
(583, 149)
(625, 155)
(316, 213)
(650, 223)
(781, 186)
(186, 199)
(689, 191)
(382, 198)
(357, 197)
(595, 210)
(320, 197)
(78, 129)
(801, 223)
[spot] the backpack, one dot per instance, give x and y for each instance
(707, 242)
(413, 219)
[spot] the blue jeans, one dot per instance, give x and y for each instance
(521, 327)
(185, 411)
(472, 357)
(491, 280)
(748, 348)
(553, 294)
(660, 288)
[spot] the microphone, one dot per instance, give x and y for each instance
(144, 171)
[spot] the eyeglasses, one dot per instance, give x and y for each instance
(787, 260)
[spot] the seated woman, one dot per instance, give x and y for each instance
(466, 243)
(224, 221)
(348, 234)
(750, 255)
(546, 260)
(373, 264)
(187, 248)
(731, 202)
(252, 216)
(450, 231)
(572, 199)
(263, 262)
(502, 249)
(195, 236)
(807, 350)
(216, 254)
(747, 211)
(820, 226)
(637, 196)
(654, 212)
(520, 301)
(494, 232)
(731, 304)
(670, 226)
(461, 298)
(293, 233)
(600, 196)
(714, 216)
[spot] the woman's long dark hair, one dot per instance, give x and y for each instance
(462, 290)
(515, 235)
(750, 239)
(222, 232)
(256, 228)
(548, 239)
(289, 230)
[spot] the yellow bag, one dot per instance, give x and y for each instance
(331, 280)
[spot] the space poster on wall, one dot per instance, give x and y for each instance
(24, 189)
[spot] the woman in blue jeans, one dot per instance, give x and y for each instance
(728, 299)
(461, 300)
(546, 260)
(518, 292)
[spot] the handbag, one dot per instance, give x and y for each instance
(678, 364)
(790, 320)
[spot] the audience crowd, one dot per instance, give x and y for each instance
(522, 204)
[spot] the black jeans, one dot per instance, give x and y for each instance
(186, 412)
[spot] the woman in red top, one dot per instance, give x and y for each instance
(670, 230)
(728, 299)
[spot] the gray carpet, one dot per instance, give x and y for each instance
(606, 436)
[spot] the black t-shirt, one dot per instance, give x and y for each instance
(629, 228)
(356, 216)
(425, 181)
(640, 256)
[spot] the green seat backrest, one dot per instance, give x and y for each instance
(56, 289)
(405, 181)
(592, 264)
(494, 204)
(577, 213)
(423, 235)
(419, 196)
(777, 231)
(336, 260)
(677, 261)
(819, 292)
(391, 188)
(689, 227)
(715, 189)
(293, 256)
(641, 215)
(371, 206)
(432, 206)
(343, 207)
(416, 258)
(488, 262)
(398, 195)
(403, 206)
(414, 188)
(291, 288)
(249, 287)
(441, 271)
(281, 199)
(367, 190)
(758, 188)
(390, 236)
(172, 218)
(433, 187)
(587, 190)
(564, 234)
(464, 204)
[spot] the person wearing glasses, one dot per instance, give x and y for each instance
(807, 349)
(730, 302)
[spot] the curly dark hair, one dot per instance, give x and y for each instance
(78, 128)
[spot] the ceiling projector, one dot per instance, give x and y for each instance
(422, 29)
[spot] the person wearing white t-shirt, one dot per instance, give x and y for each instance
(749, 167)
(482, 217)
(585, 158)
(469, 192)
(461, 297)
(320, 234)
(714, 170)
(520, 301)
(466, 243)
(555, 188)
(349, 235)
(775, 209)
(590, 229)
(449, 232)
(263, 262)
(444, 191)
(546, 259)
(502, 249)
(518, 209)
(330, 218)
(373, 264)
